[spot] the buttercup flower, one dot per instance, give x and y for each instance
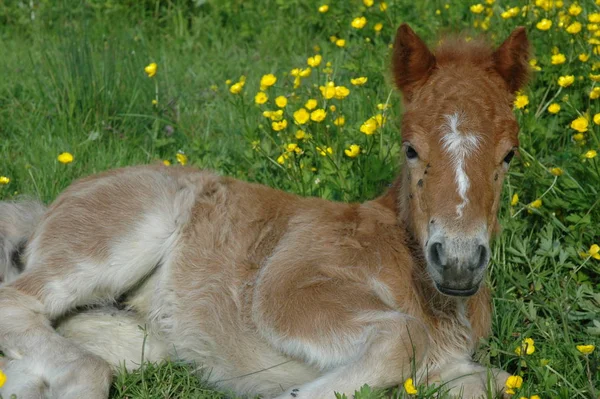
(181, 158)
(594, 251)
(359, 23)
(566, 81)
(341, 92)
(521, 101)
(300, 134)
(369, 126)
(513, 382)
(267, 81)
(477, 8)
(277, 126)
(261, 97)
(590, 154)
(574, 28)
(353, 151)
(339, 121)
(558, 59)
(166, 162)
(368, 3)
(359, 81)
(324, 151)
(65, 158)
(301, 116)
(585, 349)
(314, 61)
(340, 43)
(556, 171)
(583, 57)
(575, 10)
(515, 200)
(318, 115)
(554, 108)
(4, 180)
(311, 104)
(409, 387)
(383, 6)
(544, 24)
(578, 137)
(594, 18)
(597, 119)
(281, 101)
(151, 69)
(580, 124)
(324, 8)
(536, 204)
(2, 378)
(527, 345)
(595, 93)
(236, 88)
(328, 91)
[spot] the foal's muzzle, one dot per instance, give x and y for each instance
(457, 264)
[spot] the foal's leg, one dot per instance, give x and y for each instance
(97, 241)
(345, 331)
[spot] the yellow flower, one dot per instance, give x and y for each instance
(154, 101)
(597, 119)
(324, 151)
(513, 382)
(181, 158)
(533, 63)
(595, 93)
(277, 126)
(166, 162)
(65, 158)
(314, 61)
(311, 104)
(261, 97)
(566, 81)
(383, 6)
(281, 159)
(332, 108)
(318, 115)
(594, 250)
(590, 154)
(341, 92)
(536, 204)
(594, 18)
(267, 81)
(328, 91)
(585, 349)
(369, 126)
(359, 23)
(409, 387)
(593, 27)
(521, 101)
(300, 134)
(305, 73)
(583, 57)
(556, 171)
(574, 28)
(228, 82)
(291, 147)
(477, 8)
(150, 69)
(2, 378)
(281, 101)
(554, 108)
(558, 59)
(544, 24)
(368, 3)
(580, 124)
(324, 8)
(575, 10)
(236, 88)
(515, 199)
(527, 345)
(535, 397)
(353, 151)
(578, 137)
(301, 116)
(382, 106)
(340, 43)
(4, 180)
(595, 78)
(359, 81)
(339, 121)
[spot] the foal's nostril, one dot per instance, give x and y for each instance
(437, 255)
(482, 257)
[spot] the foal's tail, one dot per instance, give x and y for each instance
(17, 222)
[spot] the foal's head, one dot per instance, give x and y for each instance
(459, 135)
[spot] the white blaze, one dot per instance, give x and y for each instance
(459, 145)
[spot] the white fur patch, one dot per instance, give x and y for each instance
(459, 145)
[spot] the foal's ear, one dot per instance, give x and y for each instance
(511, 60)
(412, 62)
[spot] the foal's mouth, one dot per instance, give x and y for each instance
(457, 292)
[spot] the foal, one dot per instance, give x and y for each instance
(272, 293)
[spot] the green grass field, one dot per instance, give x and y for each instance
(73, 80)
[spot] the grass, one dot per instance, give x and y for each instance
(73, 81)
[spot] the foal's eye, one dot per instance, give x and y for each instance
(509, 157)
(410, 152)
